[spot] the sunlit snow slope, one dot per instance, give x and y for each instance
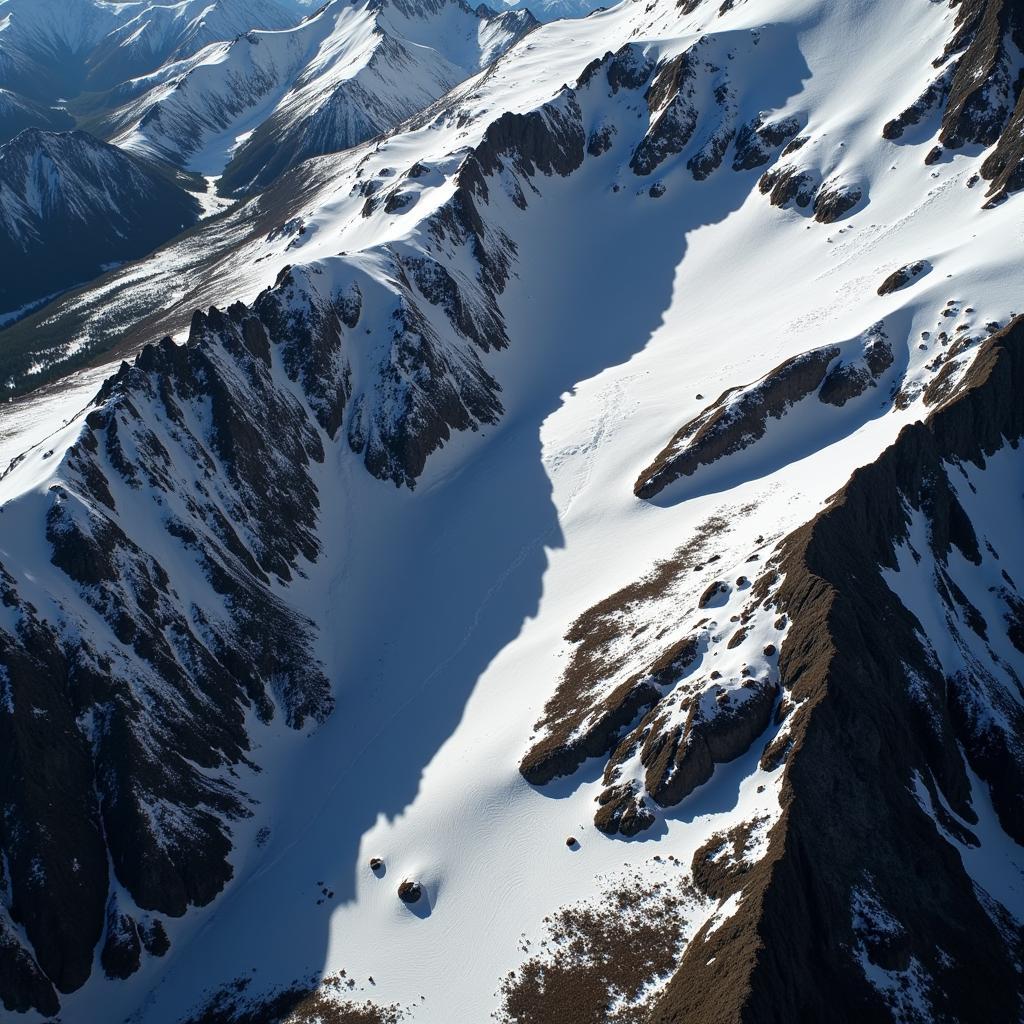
(597, 499)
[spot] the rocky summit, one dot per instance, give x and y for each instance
(511, 512)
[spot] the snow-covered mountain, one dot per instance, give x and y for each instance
(18, 113)
(552, 10)
(569, 570)
(52, 49)
(72, 206)
(267, 100)
(154, 35)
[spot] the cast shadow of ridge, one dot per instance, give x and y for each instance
(449, 575)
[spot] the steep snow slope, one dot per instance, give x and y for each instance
(267, 100)
(70, 205)
(642, 251)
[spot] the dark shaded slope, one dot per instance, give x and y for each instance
(125, 721)
(73, 205)
(18, 113)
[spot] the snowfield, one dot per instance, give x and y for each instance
(633, 301)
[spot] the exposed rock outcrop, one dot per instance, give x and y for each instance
(834, 200)
(122, 947)
(140, 697)
(759, 140)
(740, 417)
(787, 183)
(875, 794)
(906, 275)
(653, 710)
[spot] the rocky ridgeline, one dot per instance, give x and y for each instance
(660, 709)
(979, 92)
(877, 735)
(140, 659)
(402, 76)
(836, 374)
(875, 716)
(160, 635)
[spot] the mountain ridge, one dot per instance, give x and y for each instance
(615, 469)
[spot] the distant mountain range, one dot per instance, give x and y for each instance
(237, 90)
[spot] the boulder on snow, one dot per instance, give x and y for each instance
(906, 275)
(410, 892)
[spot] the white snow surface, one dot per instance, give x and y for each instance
(442, 610)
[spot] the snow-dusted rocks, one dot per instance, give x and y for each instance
(759, 140)
(904, 277)
(174, 514)
(410, 891)
(741, 416)
(659, 710)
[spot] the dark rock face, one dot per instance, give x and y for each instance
(122, 947)
(154, 937)
(835, 200)
(739, 418)
(410, 892)
(1004, 167)
(93, 204)
(786, 184)
(549, 140)
(123, 726)
(23, 985)
(759, 140)
(690, 89)
(620, 812)
(905, 276)
(982, 90)
(680, 757)
(600, 140)
(674, 116)
(876, 796)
